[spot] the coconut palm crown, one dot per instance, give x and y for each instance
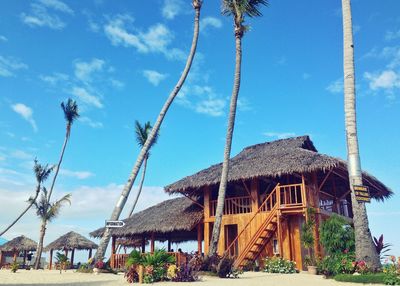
(71, 112)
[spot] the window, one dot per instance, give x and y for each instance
(275, 246)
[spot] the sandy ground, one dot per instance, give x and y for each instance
(53, 277)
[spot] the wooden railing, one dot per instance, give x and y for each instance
(119, 260)
(236, 205)
(291, 195)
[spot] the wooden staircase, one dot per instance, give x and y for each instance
(263, 234)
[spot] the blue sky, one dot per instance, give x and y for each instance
(120, 59)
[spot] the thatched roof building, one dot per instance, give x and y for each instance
(20, 243)
(273, 159)
(178, 216)
(70, 241)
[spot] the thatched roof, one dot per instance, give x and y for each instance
(71, 240)
(20, 243)
(178, 216)
(272, 159)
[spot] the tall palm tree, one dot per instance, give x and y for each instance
(365, 249)
(128, 186)
(71, 113)
(238, 9)
(46, 211)
(42, 172)
(142, 133)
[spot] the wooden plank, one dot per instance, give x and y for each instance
(325, 179)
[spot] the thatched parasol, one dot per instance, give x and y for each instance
(71, 241)
(274, 159)
(16, 245)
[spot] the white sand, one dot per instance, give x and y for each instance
(53, 277)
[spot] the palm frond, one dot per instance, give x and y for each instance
(42, 172)
(71, 111)
(143, 132)
(239, 8)
(55, 208)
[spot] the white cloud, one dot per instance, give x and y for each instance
(156, 39)
(40, 17)
(9, 65)
(54, 79)
(81, 175)
(279, 135)
(90, 122)
(210, 22)
(26, 113)
(387, 79)
(84, 70)
(3, 39)
(172, 8)
(335, 86)
(20, 154)
(86, 97)
(154, 77)
(117, 83)
(211, 106)
(392, 35)
(57, 5)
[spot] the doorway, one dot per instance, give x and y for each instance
(231, 232)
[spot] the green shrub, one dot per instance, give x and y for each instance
(279, 265)
(370, 278)
(225, 268)
(392, 271)
(332, 265)
(337, 236)
(14, 267)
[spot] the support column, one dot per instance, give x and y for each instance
(152, 243)
(72, 258)
(15, 256)
(51, 259)
(254, 195)
(169, 244)
(280, 242)
(143, 244)
(112, 262)
(317, 245)
(1, 259)
(206, 237)
(24, 258)
(199, 239)
(90, 254)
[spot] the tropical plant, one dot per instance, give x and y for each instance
(14, 267)
(42, 172)
(146, 147)
(392, 271)
(279, 265)
(142, 133)
(47, 211)
(238, 9)
(307, 236)
(186, 273)
(62, 261)
(381, 247)
(70, 109)
(225, 268)
(365, 249)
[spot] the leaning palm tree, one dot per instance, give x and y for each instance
(71, 113)
(238, 9)
(365, 249)
(42, 172)
(46, 211)
(142, 133)
(132, 177)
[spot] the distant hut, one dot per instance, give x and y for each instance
(69, 242)
(15, 246)
(174, 220)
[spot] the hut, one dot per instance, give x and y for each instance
(174, 220)
(270, 187)
(15, 247)
(70, 241)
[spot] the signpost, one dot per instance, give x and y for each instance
(114, 223)
(362, 194)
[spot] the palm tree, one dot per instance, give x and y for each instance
(365, 249)
(238, 9)
(47, 211)
(142, 133)
(128, 186)
(42, 172)
(71, 113)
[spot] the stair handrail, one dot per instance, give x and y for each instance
(258, 211)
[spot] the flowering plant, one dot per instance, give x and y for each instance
(99, 264)
(361, 267)
(392, 271)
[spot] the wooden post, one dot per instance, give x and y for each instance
(1, 259)
(15, 256)
(72, 258)
(51, 259)
(66, 252)
(152, 243)
(169, 244)
(206, 203)
(254, 195)
(90, 254)
(112, 262)
(280, 244)
(140, 274)
(199, 239)
(206, 236)
(143, 244)
(24, 258)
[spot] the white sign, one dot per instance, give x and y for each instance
(115, 223)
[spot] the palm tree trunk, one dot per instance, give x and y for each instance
(225, 166)
(60, 160)
(143, 153)
(24, 212)
(365, 249)
(140, 186)
(39, 249)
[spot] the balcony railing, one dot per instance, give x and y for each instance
(237, 205)
(118, 261)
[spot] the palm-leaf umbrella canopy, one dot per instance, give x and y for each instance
(70, 241)
(20, 243)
